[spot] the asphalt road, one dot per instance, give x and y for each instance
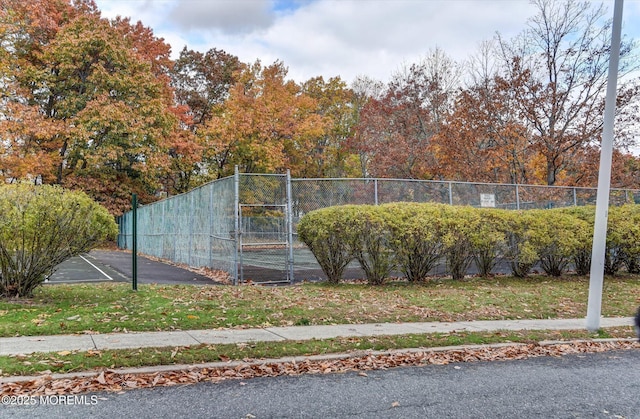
(605, 385)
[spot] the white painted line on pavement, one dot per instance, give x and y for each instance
(98, 269)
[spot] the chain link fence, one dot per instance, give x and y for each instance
(245, 224)
(196, 228)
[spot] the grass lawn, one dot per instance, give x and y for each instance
(114, 307)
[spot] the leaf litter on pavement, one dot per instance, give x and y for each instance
(117, 381)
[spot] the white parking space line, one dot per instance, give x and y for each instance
(78, 269)
(98, 269)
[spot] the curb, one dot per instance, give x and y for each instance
(298, 359)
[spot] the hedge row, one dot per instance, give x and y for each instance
(413, 238)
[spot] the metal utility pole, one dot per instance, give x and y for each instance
(604, 179)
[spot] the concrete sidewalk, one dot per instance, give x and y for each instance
(31, 344)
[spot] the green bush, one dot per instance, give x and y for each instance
(520, 253)
(323, 232)
(556, 238)
(369, 238)
(488, 240)
(623, 239)
(42, 226)
(631, 250)
(415, 237)
(622, 243)
(458, 223)
(584, 234)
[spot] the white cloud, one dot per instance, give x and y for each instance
(342, 38)
(349, 38)
(228, 16)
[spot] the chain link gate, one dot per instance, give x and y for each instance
(265, 229)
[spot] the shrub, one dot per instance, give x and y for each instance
(556, 239)
(488, 241)
(415, 237)
(369, 238)
(458, 223)
(521, 254)
(42, 226)
(322, 231)
(583, 232)
(623, 239)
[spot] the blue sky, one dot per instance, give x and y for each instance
(345, 38)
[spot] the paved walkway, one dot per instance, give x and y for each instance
(30, 344)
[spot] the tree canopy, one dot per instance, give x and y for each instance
(100, 105)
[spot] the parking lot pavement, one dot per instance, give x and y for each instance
(84, 268)
(116, 265)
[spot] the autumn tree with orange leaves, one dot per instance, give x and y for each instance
(484, 139)
(90, 105)
(200, 82)
(396, 131)
(266, 125)
(329, 155)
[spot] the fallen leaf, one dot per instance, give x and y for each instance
(101, 379)
(114, 381)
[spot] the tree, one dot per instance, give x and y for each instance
(398, 129)
(30, 140)
(202, 81)
(565, 51)
(335, 105)
(361, 143)
(484, 139)
(115, 108)
(42, 226)
(90, 101)
(266, 125)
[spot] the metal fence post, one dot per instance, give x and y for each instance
(119, 219)
(210, 226)
(134, 252)
(575, 198)
(163, 235)
(517, 197)
(236, 220)
(289, 215)
(450, 193)
(375, 190)
(189, 215)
